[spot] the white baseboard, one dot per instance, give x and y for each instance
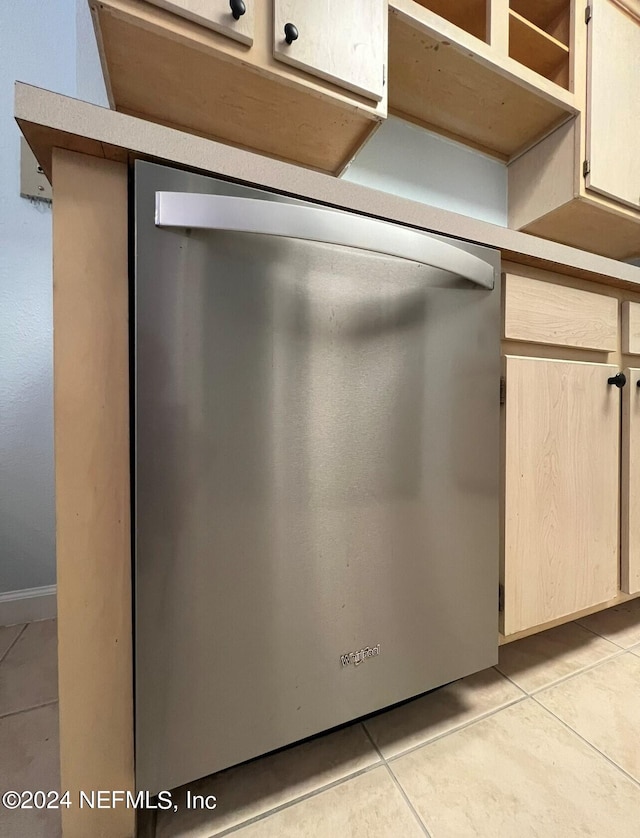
(28, 605)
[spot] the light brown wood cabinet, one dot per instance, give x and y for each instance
(630, 485)
(561, 489)
(494, 75)
(344, 43)
(571, 475)
(630, 477)
(613, 103)
(581, 184)
(188, 64)
(216, 15)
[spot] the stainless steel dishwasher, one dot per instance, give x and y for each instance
(316, 451)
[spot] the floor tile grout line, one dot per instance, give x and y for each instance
(406, 799)
(382, 760)
(597, 634)
(396, 782)
(613, 656)
(511, 681)
(14, 641)
(28, 709)
(619, 651)
(587, 742)
(307, 796)
(457, 729)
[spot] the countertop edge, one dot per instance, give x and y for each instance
(50, 120)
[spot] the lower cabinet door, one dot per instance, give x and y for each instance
(561, 522)
(630, 485)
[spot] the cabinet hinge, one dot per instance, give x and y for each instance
(501, 597)
(384, 74)
(586, 168)
(503, 389)
(587, 14)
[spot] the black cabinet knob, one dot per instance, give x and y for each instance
(619, 379)
(238, 8)
(290, 33)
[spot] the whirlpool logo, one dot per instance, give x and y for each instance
(356, 658)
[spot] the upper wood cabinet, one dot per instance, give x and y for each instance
(581, 184)
(183, 63)
(343, 42)
(481, 71)
(234, 19)
(613, 102)
(562, 446)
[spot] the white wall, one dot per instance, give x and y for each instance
(409, 161)
(37, 45)
(50, 44)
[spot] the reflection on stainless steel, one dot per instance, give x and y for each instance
(316, 461)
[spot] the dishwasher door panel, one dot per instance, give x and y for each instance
(316, 474)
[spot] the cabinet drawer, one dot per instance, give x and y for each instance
(631, 328)
(344, 43)
(217, 15)
(542, 312)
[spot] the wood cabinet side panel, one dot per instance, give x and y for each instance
(93, 537)
(542, 179)
(544, 312)
(630, 485)
(561, 489)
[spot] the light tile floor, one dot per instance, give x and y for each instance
(29, 725)
(547, 744)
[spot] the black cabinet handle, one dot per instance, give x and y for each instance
(290, 33)
(638, 383)
(619, 379)
(238, 8)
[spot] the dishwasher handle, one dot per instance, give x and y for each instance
(251, 215)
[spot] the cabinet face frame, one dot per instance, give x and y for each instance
(344, 43)
(216, 15)
(613, 71)
(561, 515)
(630, 485)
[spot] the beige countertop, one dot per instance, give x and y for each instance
(51, 120)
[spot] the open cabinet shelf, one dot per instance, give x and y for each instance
(470, 15)
(537, 49)
(552, 16)
(450, 81)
